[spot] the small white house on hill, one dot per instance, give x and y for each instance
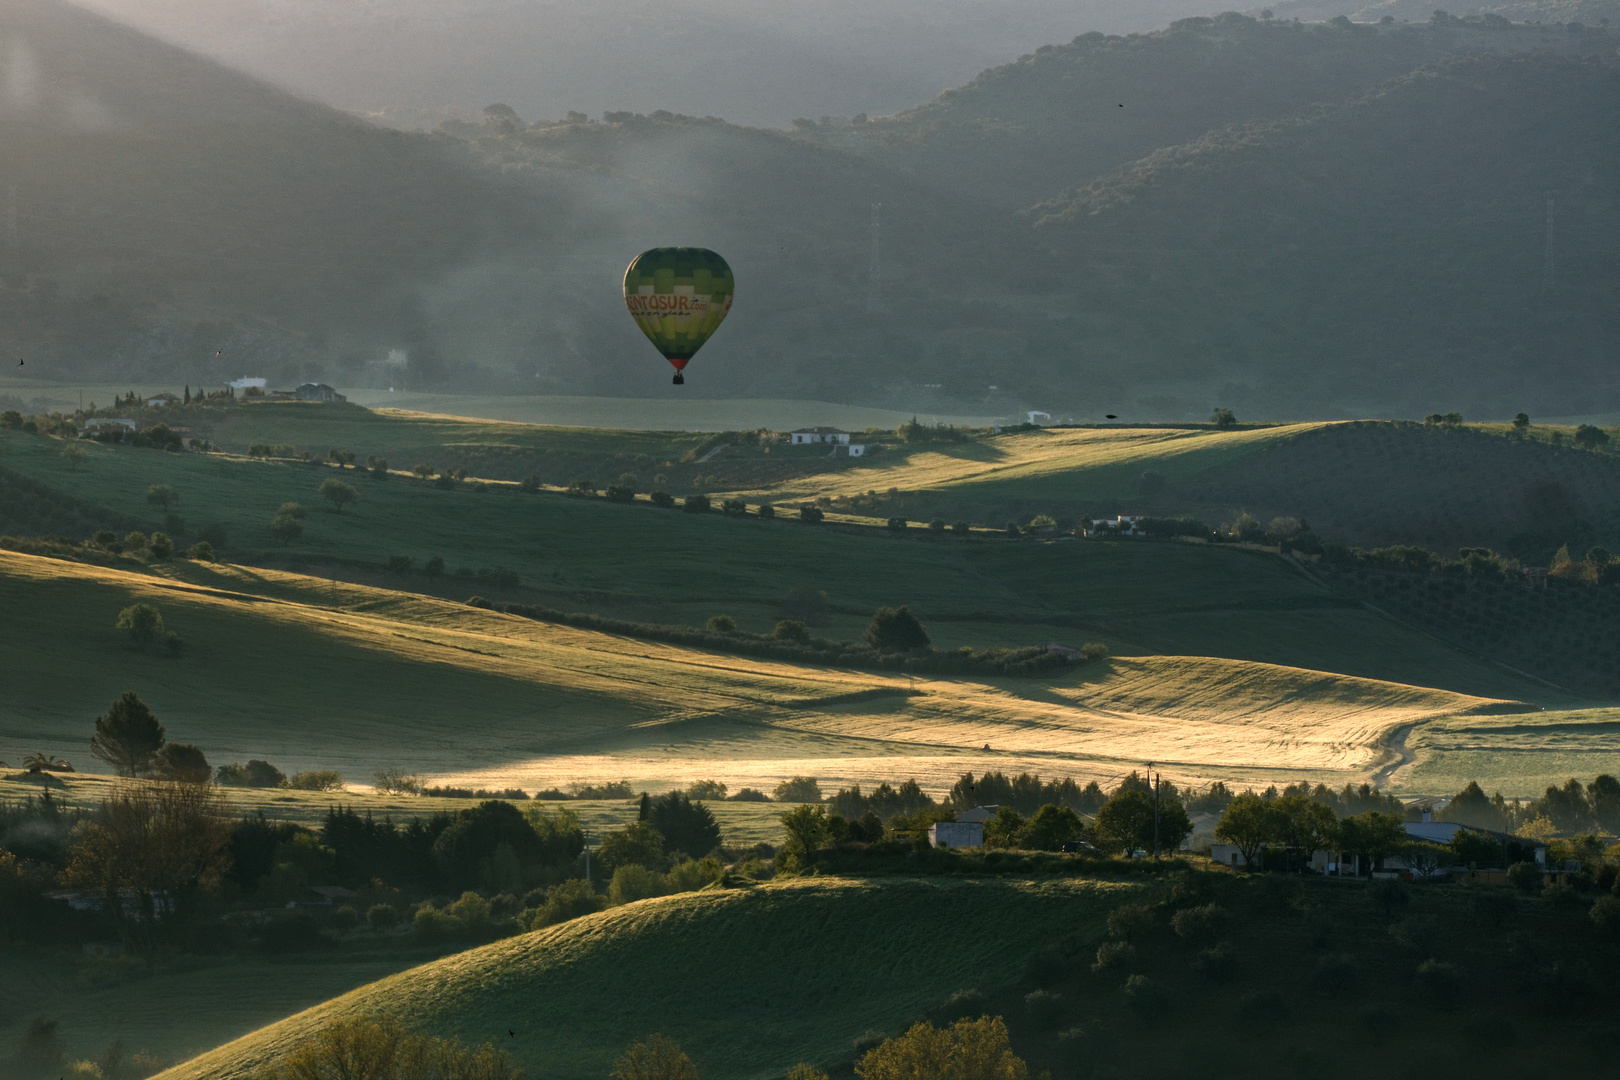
(808, 435)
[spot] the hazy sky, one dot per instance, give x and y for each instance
(415, 62)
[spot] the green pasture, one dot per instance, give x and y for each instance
(1520, 756)
(175, 1007)
(656, 565)
(748, 981)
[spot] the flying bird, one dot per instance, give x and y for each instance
(1111, 416)
(512, 1033)
(20, 361)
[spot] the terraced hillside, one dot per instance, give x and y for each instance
(789, 971)
(311, 674)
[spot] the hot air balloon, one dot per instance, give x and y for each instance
(678, 296)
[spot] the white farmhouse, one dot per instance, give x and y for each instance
(805, 436)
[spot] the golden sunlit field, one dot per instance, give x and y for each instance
(311, 674)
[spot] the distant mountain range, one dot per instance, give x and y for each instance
(1279, 218)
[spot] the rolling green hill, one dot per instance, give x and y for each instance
(326, 675)
(640, 562)
(748, 981)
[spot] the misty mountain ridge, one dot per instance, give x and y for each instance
(1033, 236)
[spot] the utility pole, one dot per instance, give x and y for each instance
(1549, 261)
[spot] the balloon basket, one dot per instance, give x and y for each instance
(680, 380)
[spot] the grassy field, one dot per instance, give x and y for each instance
(672, 413)
(748, 981)
(1520, 756)
(309, 674)
(1058, 468)
(175, 1007)
(639, 562)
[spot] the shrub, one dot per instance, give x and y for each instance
(1525, 876)
(721, 624)
(1605, 914)
(791, 630)
(1199, 923)
(976, 1049)
(766, 511)
(396, 782)
(897, 524)
(654, 1058)
(286, 527)
(961, 528)
(1130, 921)
(631, 883)
(339, 493)
(160, 545)
(749, 794)
(621, 493)
(563, 902)
(382, 917)
(1093, 650)
(696, 504)
(810, 514)
(529, 485)
(734, 508)
(896, 630)
(800, 789)
(143, 623)
(662, 499)
(706, 789)
(343, 919)
(201, 551)
(316, 780)
(386, 1051)
(686, 826)
(1112, 954)
(690, 875)
(182, 762)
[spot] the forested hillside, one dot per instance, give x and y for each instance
(1279, 218)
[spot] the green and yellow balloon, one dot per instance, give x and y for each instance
(678, 296)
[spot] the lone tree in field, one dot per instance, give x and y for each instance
(1588, 437)
(143, 623)
(896, 631)
(75, 456)
(163, 496)
(286, 528)
(128, 737)
(339, 493)
(1223, 418)
(182, 762)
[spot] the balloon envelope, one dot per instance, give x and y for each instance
(678, 296)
